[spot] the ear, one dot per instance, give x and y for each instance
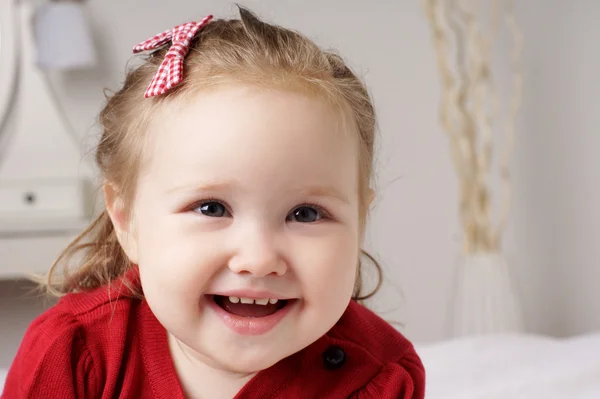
(123, 225)
(371, 197)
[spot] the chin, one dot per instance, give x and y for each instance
(249, 364)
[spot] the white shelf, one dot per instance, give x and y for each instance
(10, 228)
(31, 246)
(20, 257)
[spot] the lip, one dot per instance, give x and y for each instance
(249, 325)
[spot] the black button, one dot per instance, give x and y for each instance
(334, 357)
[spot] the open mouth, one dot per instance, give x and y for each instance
(249, 307)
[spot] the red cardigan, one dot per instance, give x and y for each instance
(105, 344)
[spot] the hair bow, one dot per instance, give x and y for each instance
(170, 72)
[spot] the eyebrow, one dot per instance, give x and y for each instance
(202, 186)
(324, 192)
(228, 186)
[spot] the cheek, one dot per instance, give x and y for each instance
(176, 262)
(326, 268)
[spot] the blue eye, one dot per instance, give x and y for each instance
(212, 209)
(305, 214)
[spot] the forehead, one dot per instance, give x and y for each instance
(248, 133)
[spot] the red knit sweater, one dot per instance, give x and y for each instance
(105, 344)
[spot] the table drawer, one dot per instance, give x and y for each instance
(33, 199)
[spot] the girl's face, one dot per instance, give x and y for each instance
(247, 224)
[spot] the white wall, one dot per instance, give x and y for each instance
(414, 230)
(559, 163)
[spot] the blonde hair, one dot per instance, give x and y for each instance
(247, 50)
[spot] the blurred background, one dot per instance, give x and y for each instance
(550, 242)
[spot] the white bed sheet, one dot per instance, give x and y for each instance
(2, 378)
(513, 366)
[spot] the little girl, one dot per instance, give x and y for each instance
(236, 163)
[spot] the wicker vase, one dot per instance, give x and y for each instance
(484, 299)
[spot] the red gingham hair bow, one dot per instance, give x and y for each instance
(170, 72)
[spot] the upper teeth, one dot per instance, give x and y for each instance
(261, 301)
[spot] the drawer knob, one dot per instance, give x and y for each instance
(30, 198)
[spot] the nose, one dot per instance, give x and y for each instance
(258, 255)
